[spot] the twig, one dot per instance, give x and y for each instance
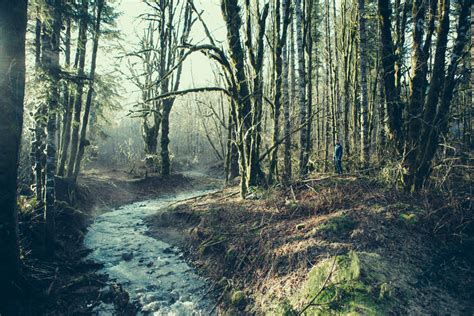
(321, 289)
(194, 198)
(218, 301)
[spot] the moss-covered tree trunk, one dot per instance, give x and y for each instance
(67, 102)
(364, 101)
(286, 102)
(436, 125)
(13, 16)
(242, 106)
(280, 35)
(90, 92)
(50, 63)
(418, 84)
(392, 97)
(165, 140)
(82, 42)
(304, 154)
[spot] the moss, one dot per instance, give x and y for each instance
(352, 288)
(300, 226)
(237, 298)
(409, 214)
(291, 204)
(338, 225)
(409, 218)
(284, 308)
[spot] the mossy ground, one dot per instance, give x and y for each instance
(352, 283)
(278, 248)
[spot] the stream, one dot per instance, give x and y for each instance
(154, 273)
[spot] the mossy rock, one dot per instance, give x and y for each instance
(354, 283)
(237, 299)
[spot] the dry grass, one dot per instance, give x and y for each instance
(267, 246)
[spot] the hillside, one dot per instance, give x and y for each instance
(332, 245)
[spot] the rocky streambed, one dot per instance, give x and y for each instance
(154, 273)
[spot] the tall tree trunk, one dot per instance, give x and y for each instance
(309, 52)
(165, 128)
(37, 145)
(418, 85)
(286, 105)
(439, 123)
(292, 69)
(168, 85)
(13, 16)
(90, 92)
(364, 106)
(392, 97)
(50, 63)
(280, 42)
(67, 101)
(82, 42)
(301, 89)
(242, 110)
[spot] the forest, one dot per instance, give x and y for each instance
(236, 157)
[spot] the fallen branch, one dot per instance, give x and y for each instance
(321, 289)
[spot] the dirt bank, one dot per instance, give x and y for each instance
(334, 245)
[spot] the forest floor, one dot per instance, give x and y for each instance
(328, 244)
(334, 245)
(69, 284)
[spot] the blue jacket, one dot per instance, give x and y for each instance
(338, 152)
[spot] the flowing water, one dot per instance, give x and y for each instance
(153, 272)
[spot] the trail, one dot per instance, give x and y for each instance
(153, 272)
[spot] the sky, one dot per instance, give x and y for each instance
(197, 70)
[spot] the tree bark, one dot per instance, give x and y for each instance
(392, 98)
(301, 89)
(90, 92)
(286, 104)
(364, 106)
(280, 42)
(67, 101)
(50, 63)
(440, 122)
(13, 17)
(82, 42)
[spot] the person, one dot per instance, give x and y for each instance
(338, 157)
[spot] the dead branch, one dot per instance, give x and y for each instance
(321, 289)
(173, 94)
